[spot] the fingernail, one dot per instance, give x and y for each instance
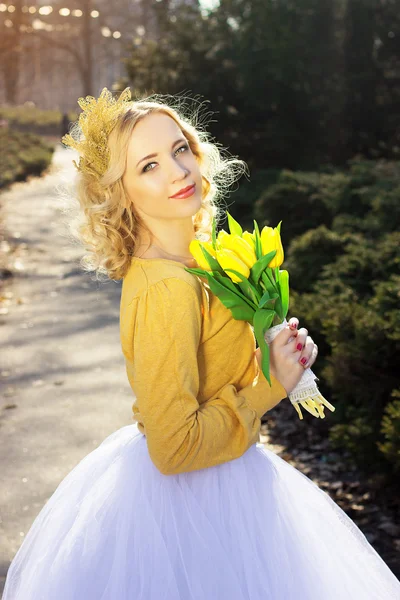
(299, 346)
(303, 360)
(294, 325)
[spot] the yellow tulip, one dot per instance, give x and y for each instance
(197, 253)
(230, 260)
(249, 237)
(221, 234)
(241, 247)
(271, 240)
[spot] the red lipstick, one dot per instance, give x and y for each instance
(185, 192)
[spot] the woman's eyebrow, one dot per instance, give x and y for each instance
(155, 154)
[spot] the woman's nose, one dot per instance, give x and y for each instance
(178, 170)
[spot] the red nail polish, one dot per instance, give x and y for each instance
(299, 346)
(303, 360)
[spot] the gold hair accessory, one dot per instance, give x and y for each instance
(96, 122)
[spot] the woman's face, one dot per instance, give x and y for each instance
(150, 182)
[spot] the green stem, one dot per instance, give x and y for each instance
(272, 280)
(277, 320)
(245, 297)
(251, 280)
(257, 294)
(267, 281)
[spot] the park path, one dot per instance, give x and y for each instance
(62, 373)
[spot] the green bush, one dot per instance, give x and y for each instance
(390, 429)
(247, 194)
(358, 341)
(27, 154)
(29, 118)
(364, 263)
(341, 234)
(299, 200)
(371, 203)
(309, 253)
(30, 115)
(362, 199)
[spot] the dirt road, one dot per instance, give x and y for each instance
(62, 373)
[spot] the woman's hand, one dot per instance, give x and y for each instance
(287, 351)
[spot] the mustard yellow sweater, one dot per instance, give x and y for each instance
(200, 393)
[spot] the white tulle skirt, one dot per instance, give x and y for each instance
(254, 528)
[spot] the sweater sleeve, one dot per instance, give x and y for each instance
(183, 435)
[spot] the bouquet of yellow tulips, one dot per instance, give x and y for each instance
(242, 269)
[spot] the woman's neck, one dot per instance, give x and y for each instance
(153, 251)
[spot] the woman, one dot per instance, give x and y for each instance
(185, 503)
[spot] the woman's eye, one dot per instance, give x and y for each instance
(185, 146)
(145, 169)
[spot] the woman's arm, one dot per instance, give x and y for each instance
(181, 434)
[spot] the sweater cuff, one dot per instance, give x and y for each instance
(262, 396)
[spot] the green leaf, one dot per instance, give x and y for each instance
(240, 308)
(254, 290)
(276, 273)
(223, 287)
(212, 261)
(198, 271)
(247, 288)
(265, 362)
(260, 265)
(267, 301)
(268, 285)
(284, 290)
(264, 298)
(279, 309)
(271, 303)
(249, 291)
(233, 287)
(257, 241)
(214, 235)
(234, 227)
(262, 320)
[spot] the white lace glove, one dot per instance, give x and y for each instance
(306, 391)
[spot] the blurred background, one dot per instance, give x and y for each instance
(307, 92)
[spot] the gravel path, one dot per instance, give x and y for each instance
(62, 374)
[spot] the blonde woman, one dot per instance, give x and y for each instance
(184, 503)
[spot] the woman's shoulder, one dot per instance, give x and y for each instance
(161, 275)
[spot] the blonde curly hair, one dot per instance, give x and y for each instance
(105, 220)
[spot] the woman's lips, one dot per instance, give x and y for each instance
(189, 192)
